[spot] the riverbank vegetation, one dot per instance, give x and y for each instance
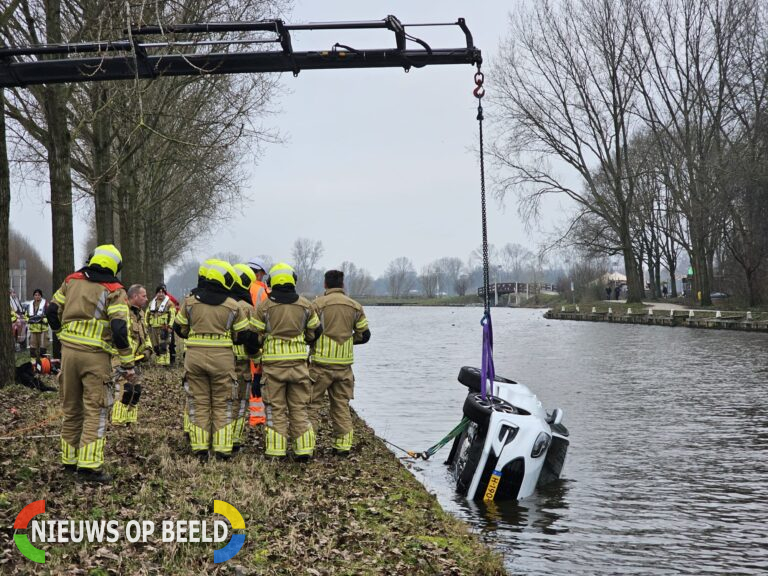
(657, 109)
(365, 514)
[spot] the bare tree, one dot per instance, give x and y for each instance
(400, 274)
(565, 92)
(306, 253)
(448, 269)
(684, 54)
(6, 339)
(357, 281)
(429, 279)
(461, 284)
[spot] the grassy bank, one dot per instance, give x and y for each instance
(361, 515)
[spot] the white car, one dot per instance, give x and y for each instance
(511, 444)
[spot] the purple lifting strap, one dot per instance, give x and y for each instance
(487, 371)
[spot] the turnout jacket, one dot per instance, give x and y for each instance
(88, 314)
(211, 325)
(344, 324)
(287, 327)
(161, 314)
(141, 343)
(35, 315)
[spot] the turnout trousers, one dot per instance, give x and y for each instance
(38, 343)
(85, 389)
(286, 390)
(243, 370)
(161, 343)
(339, 383)
(127, 394)
(212, 392)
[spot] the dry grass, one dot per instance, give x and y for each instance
(361, 515)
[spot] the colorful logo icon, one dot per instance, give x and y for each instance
(22, 540)
(238, 539)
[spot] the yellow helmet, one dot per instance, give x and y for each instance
(202, 271)
(108, 257)
(221, 272)
(282, 273)
(245, 276)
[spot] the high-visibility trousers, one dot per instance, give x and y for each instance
(287, 390)
(338, 382)
(86, 391)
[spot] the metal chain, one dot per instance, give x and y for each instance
(479, 92)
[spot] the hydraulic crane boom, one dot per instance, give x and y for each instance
(196, 54)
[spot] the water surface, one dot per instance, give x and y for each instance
(667, 472)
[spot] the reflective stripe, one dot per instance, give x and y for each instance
(258, 324)
(239, 351)
(59, 297)
(68, 453)
(119, 413)
(224, 438)
(328, 351)
(100, 305)
(209, 340)
(276, 443)
(242, 325)
(284, 349)
(313, 321)
(87, 332)
(304, 445)
(361, 324)
(198, 438)
(344, 443)
(91, 455)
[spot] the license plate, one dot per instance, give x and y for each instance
(493, 484)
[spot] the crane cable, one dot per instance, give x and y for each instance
(487, 370)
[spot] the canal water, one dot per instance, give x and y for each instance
(667, 471)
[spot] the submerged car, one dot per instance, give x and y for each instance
(511, 444)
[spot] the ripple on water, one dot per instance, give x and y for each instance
(669, 427)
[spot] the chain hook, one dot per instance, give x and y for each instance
(479, 90)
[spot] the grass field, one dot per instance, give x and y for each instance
(365, 514)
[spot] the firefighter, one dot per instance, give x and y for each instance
(127, 394)
(211, 322)
(288, 323)
(38, 325)
(242, 295)
(160, 318)
(90, 315)
(344, 324)
(259, 292)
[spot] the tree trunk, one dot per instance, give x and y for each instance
(130, 231)
(672, 266)
(634, 282)
(701, 280)
(102, 186)
(754, 288)
(7, 359)
(58, 147)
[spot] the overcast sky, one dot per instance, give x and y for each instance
(376, 164)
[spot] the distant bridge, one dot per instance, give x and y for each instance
(501, 288)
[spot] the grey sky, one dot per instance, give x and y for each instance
(376, 163)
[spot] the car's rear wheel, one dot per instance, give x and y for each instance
(479, 409)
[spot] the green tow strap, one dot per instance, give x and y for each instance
(460, 427)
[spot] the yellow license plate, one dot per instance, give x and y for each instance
(493, 484)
